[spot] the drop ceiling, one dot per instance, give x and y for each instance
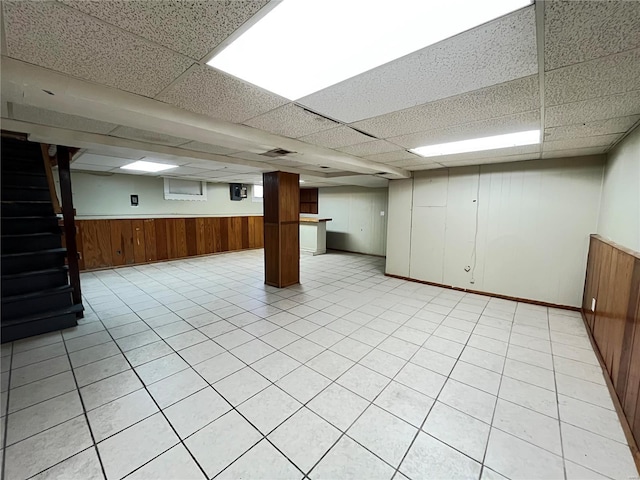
(129, 81)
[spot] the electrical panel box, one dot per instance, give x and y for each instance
(237, 191)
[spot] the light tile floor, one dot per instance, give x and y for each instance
(194, 368)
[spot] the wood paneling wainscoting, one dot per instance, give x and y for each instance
(117, 242)
(613, 280)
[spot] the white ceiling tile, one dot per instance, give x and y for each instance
(482, 157)
(208, 148)
(218, 95)
(341, 136)
(370, 148)
(205, 164)
(600, 141)
(413, 162)
(578, 31)
(102, 160)
(182, 170)
(389, 157)
(493, 53)
(485, 128)
(90, 168)
(620, 105)
(591, 129)
(517, 96)
(147, 136)
(425, 166)
(54, 36)
(576, 152)
(189, 27)
(291, 121)
(493, 159)
(596, 78)
(30, 114)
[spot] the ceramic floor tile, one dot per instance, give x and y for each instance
(82, 465)
(484, 359)
(349, 461)
(304, 438)
(526, 372)
(303, 350)
(515, 458)
(269, 408)
(363, 381)
(330, 364)
(229, 436)
(176, 387)
(174, 463)
(368, 336)
(161, 368)
(591, 417)
(241, 385)
(36, 355)
(147, 353)
(200, 352)
(151, 437)
(110, 389)
(584, 390)
(580, 370)
(578, 472)
(458, 430)
(430, 458)
(120, 414)
(53, 446)
(279, 338)
(533, 357)
(262, 461)
(529, 396)
(338, 406)
(420, 379)
(405, 403)
(218, 367)
(186, 339)
(303, 383)
(40, 391)
(597, 453)
(469, 400)
(384, 434)
(383, 362)
(352, 349)
(196, 411)
(32, 420)
(528, 425)
(39, 371)
(488, 344)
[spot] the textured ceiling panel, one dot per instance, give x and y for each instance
(56, 37)
(597, 78)
(579, 31)
(621, 105)
(487, 154)
(210, 92)
(208, 148)
(370, 148)
(27, 113)
(486, 128)
(497, 52)
(291, 121)
(103, 160)
(520, 95)
(341, 136)
(413, 162)
(492, 160)
(576, 152)
(574, 143)
(392, 156)
(590, 129)
(193, 28)
(147, 136)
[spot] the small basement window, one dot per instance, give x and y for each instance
(257, 193)
(178, 189)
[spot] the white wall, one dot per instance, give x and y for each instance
(533, 224)
(98, 196)
(357, 225)
(620, 206)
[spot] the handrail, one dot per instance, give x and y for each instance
(46, 158)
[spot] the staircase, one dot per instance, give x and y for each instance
(36, 295)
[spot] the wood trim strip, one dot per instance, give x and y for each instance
(52, 187)
(487, 294)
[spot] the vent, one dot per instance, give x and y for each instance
(276, 152)
(322, 166)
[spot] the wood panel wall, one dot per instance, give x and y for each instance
(110, 243)
(308, 200)
(613, 279)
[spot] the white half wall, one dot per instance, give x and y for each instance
(357, 225)
(620, 206)
(100, 196)
(520, 229)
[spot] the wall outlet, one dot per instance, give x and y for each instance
(593, 304)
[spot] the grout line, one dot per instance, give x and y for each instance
(6, 419)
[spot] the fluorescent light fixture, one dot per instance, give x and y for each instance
(530, 137)
(141, 166)
(301, 47)
(301, 181)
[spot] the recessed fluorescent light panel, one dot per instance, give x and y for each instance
(530, 137)
(141, 166)
(301, 47)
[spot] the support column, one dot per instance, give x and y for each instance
(281, 228)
